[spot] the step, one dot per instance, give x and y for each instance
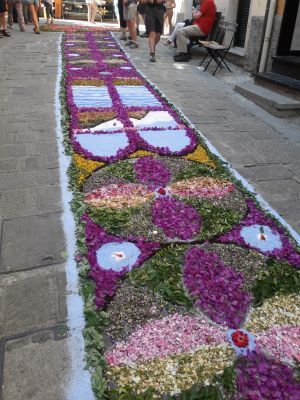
(275, 103)
(282, 80)
(287, 65)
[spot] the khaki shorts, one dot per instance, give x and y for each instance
(130, 12)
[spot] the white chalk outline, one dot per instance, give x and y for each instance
(79, 379)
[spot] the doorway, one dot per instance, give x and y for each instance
(242, 21)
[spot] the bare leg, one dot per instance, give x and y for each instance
(2, 22)
(132, 30)
(170, 16)
(93, 12)
(157, 39)
(33, 11)
(152, 41)
(89, 7)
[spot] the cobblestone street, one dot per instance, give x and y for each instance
(41, 348)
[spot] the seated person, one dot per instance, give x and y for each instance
(171, 39)
(178, 26)
(203, 21)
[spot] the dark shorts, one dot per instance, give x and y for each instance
(141, 8)
(154, 19)
(3, 6)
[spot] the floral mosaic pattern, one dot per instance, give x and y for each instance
(191, 290)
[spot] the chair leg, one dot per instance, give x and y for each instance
(211, 58)
(224, 62)
(218, 62)
(203, 59)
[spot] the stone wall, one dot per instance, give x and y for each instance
(253, 44)
(274, 40)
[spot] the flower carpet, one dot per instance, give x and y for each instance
(191, 289)
(74, 28)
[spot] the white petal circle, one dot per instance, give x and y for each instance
(261, 237)
(117, 256)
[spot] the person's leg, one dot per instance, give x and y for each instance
(170, 17)
(183, 34)
(25, 13)
(159, 25)
(89, 9)
(47, 6)
(93, 12)
(4, 32)
(157, 38)
(132, 22)
(10, 6)
(21, 21)
(31, 8)
(122, 21)
(151, 41)
(178, 26)
(2, 23)
(51, 13)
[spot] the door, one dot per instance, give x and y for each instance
(289, 39)
(242, 21)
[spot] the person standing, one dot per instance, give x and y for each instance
(203, 21)
(49, 10)
(33, 7)
(19, 9)
(154, 21)
(3, 9)
(130, 12)
(122, 21)
(92, 9)
(170, 5)
(141, 11)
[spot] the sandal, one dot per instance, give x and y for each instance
(37, 31)
(5, 33)
(1, 35)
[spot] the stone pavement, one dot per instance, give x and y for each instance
(262, 148)
(37, 347)
(36, 360)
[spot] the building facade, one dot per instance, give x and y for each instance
(267, 40)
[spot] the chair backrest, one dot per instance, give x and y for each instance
(215, 28)
(228, 30)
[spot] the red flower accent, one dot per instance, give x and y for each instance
(162, 191)
(262, 236)
(240, 339)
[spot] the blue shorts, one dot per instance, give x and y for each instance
(34, 2)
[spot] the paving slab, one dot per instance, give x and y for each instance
(32, 241)
(48, 198)
(36, 368)
(18, 202)
(267, 172)
(32, 299)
